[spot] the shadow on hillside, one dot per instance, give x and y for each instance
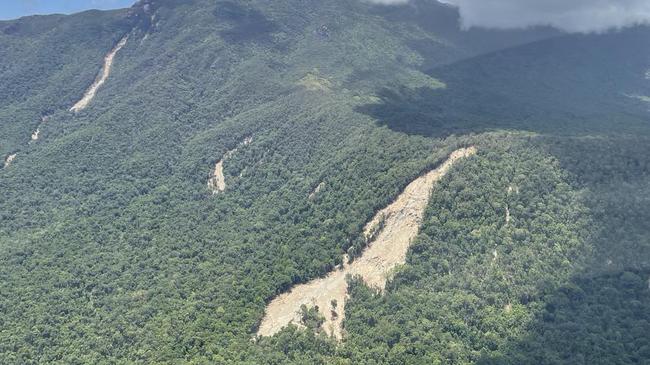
(603, 319)
(602, 316)
(461, 108)
(613, 172)
(247, 24)
(572, 85)
(438, 113)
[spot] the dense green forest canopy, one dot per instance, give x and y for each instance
(114, 250)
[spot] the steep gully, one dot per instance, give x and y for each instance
(401, 221)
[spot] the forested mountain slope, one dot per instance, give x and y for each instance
(566, 85)
(46, 61)
(114, 249)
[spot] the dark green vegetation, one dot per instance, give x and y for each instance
(581, 84)
(113, 250)
(47, 62)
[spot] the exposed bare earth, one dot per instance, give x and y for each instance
(313, 82)
(9, 159)
(401, 220)
(89, 95)
(217, 182)
(510, 190)
(37, 132)
(316, 190)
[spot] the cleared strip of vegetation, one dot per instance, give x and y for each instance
(217, 182)
(37, 132)
(89, 95)
(401, 222)
(9, 159)
(316, 190)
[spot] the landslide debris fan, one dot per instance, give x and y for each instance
(115, 250)
(396, 226)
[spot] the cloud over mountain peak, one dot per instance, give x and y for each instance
(576, 16)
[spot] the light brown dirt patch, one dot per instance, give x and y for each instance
(89, 95)
(402, 220)
(9, 159)
(217, 182)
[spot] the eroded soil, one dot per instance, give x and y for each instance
(89, 95)
(9, 159)
(401, 222)
(217, 181)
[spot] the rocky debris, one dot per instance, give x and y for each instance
(143, 7)
(89, 95)
(316, 190)
(511, 189)
(217, 182)
(9, 159)
(142, 15)
(402, 220)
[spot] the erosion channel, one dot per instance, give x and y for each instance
(401, 222)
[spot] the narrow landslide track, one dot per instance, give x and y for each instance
(88, 96)
(103, 75)
(37, 132)
(9, 159)
(401, 223)
(217, 181)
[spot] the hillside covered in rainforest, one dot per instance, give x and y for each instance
(321, 182)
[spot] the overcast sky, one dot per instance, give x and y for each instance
(569, 15)
(11, 9)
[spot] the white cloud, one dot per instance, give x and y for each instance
(569, 15)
